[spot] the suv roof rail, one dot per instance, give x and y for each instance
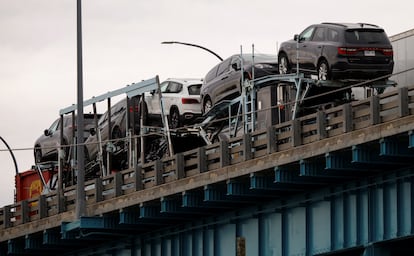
(368, 24)
(333, 23)
(350, 25)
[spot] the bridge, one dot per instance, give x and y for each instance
(336, 182)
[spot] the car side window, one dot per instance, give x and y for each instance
(164, 87)
(319, 35)
(224, 67)
(194, 89)
(211, 74)
(333, 35)
(306, 35)
(174, 87)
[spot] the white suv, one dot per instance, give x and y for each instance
(181, 101)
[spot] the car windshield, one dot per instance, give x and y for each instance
(366, 37)
(248, 58)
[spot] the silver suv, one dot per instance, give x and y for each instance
(47, 145)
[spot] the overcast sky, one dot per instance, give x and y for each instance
(122, 44)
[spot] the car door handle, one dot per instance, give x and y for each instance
(304, 45)
(224, 78)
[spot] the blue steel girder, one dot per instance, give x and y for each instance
(240, 189)
(151, 218)
(173, 206)
(371, 156)
(266, 182)
(292, 175)
(150, 210)
(216, 196)
(237, 187)
(16, 246)
(193, 198)
(214, 193)
(33, 241)
(129, 216)
(51, 236)
(36, 244)
(170, 204)
(341, 162)
(411, 139)
(396, 147)
(317, 168)
(95, 228)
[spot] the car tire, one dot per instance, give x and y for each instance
(283, 63)
(174, 118)
(323, 70)
(207, 105)
(38, 155)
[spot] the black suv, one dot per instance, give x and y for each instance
(339, 51)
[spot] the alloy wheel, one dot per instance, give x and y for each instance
(323, 71)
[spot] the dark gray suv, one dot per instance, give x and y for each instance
(223, 81)
(339, 51)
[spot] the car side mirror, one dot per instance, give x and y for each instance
(46, 132)
(296, 37)
(236, 66)
(152, 92)
(92, 131)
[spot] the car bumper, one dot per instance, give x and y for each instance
(190, 117)
(345, 70)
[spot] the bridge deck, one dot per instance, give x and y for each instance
(313, 151)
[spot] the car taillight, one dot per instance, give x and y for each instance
(388, 52)
(347, 51)
(132, 109)
(189, 101)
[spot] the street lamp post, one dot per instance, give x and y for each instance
(80, 183)
(194, 45)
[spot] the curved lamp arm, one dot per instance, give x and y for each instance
(194, 45)
(11, 152)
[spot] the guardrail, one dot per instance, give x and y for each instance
(304, 130)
